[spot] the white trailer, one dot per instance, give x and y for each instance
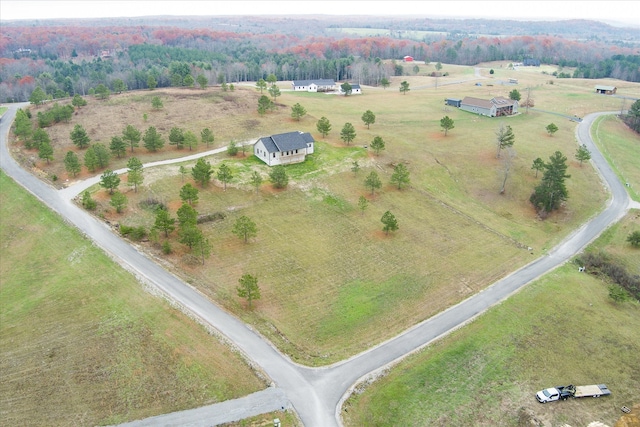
(564, 392)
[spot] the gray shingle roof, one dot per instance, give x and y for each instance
(319, 82)
(286, 141)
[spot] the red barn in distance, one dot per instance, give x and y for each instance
(408, 59)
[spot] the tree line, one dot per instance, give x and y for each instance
(70, 63)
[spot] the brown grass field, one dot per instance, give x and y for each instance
(332, 282)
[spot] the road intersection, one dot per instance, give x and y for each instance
(316, 394)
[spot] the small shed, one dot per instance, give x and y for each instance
(408, 58)
(453, 102)
(606, 90)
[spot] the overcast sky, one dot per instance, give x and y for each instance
(621, 12)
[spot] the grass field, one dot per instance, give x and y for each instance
(612, 138)
(561, 329)
(81, 343)
(332, 283)
(329, 277)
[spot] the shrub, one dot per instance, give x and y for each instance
(135, 233)
(634, 239)
(618, 294)
(166, 247)
(138, 233)
(216, 216)
(232, 149)
(87, 202)
(151, 203)
(601, 263)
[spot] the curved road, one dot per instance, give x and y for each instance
(316, 394)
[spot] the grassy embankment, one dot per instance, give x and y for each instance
(332, 283)
(561, 329)
(612, 139)
(82, 343)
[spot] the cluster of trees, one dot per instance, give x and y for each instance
(632, 118)
(97, 155)
(552, 190)
(622, 67)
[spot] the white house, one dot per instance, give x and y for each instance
(319, 85)
(284, 148)
(355, 89)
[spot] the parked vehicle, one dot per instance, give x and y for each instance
(565, 392)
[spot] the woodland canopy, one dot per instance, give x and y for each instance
(66, 60)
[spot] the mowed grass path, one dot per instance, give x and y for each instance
(82, 343)
(332, 283)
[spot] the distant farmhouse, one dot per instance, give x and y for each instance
(355, 89)
(319, 85)
(284, 148)
(495, 107)
(606, 90)
(531, 62)
(22, 52)
(408, 58)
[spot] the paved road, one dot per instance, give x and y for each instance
(315, 393)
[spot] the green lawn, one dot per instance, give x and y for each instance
(561, 329)
(612, 138)
(81, 341)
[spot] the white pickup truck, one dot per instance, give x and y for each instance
(565, 392)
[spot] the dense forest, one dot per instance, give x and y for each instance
(74, 57)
